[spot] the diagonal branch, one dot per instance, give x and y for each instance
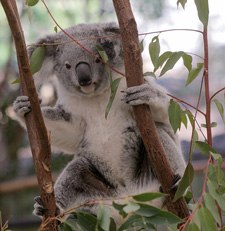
(146, 125)
(38, 136)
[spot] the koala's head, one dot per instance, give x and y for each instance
(76, 69)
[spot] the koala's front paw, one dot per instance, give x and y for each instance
(137, 95)
(21, 106)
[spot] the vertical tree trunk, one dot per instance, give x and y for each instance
(146, 125)
(38, 136)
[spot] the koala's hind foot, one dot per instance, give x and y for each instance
(39, 208)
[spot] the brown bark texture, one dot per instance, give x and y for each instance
(37, 133)
(145, 122)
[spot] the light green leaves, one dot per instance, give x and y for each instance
(31, 2)
(174, 115)
(220, 109)
(113, 83)
(185, 181)
(104, 217)
(37, 59)
(147, 196)
(193, 73)
(171, 62)
(154, 50)
(203, 11)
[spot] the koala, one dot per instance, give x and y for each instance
(109, 155)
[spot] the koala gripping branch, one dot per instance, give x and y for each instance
(146, 125)
(38, 136)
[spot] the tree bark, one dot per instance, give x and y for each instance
(145, 122)
(37, 133)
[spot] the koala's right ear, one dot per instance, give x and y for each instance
(46, 71)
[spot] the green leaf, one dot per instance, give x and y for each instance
(31, 2)
(162, 59)
(185, 181)
(214, 193)
(210, 203)
(150, 74)
(182, 2)
(141, 45)
(163, 218)
(154, 50)
(37, 59)
(114, 87)
(188, 196)
(147, 210)
(71, 224)
(112, 226)
(148, 196)
(191, 227)
(194, 139)
(130, 222)
(171, 61)
(86, 221)
(131, 207)
(56, 29)
(187, 61)
(203, 11)
(104, 217)
(184, 118)
(207, 221)
(16, 81)
(193, 73)
(213, 124)
(102, 53)
(174, 111)
(220, 109)
(30, 13)
(120, 207)
(204, 148)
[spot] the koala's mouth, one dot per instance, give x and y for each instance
(88, 89)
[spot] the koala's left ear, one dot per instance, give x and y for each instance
(111, 45)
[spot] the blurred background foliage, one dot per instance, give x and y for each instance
(17, 181)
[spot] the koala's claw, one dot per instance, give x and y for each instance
(176, 181)
(39, 209)
(137, 95)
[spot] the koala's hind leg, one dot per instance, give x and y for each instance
(81, 181)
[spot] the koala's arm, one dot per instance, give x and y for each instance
(151, 94)
(65, 132)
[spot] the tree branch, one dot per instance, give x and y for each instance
(146, 125)
(38, 136)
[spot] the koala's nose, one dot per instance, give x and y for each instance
(83, 71)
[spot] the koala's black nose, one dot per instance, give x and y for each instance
(83, 71)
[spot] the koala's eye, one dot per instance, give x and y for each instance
(97, 60)
(68, 66)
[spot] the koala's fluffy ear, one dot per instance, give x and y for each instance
(112, 45)
(46, 71)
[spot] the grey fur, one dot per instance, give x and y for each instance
(109, 155)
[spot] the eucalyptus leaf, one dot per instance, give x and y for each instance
(187, 61)
(31, 2)
(204, 148)
(162, 59)
(154, 50)
(203, 11)
(193, 73)
(191, 227)
(144, 197)
(185, 181)
(220, 109)
(114, 87)
(131, 207)
(210, 203)
(174, 111)
(171, 61)
(207, 221)
(37, 59)
(104, 217)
